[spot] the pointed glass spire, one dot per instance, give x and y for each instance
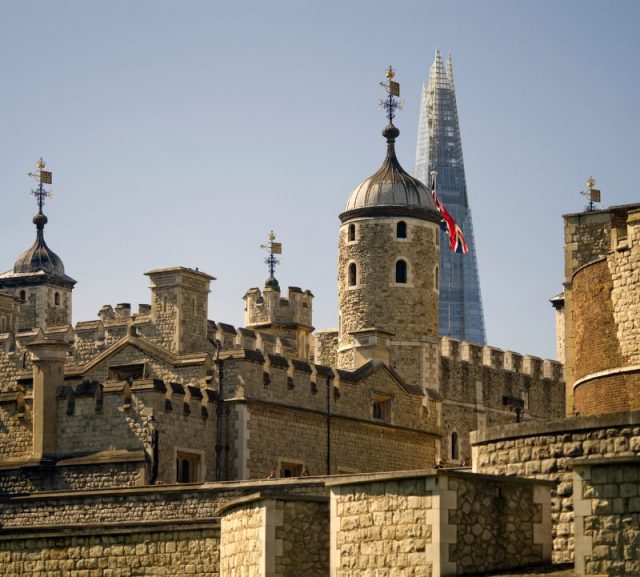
(439, 148)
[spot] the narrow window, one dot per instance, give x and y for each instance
(401, 229)
(187, 467)
(56, 299)
(381, 408)
(353, 274)
(454, 446)
(352, 233)
(401, 272)
(164, 304)
(23, 295)
(3, 324)
(437, 278)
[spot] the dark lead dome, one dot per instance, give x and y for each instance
(391, 186)
(39, 258)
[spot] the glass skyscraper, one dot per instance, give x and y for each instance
(439, 148)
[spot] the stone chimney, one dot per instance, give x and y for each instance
(48, 374)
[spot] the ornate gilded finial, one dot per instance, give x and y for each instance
(271, 261)
(392, 102)
(592, 193)
(42, 177)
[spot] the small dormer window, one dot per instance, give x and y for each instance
(351, 235)
(381, 407)
(56, 299)
(401, 229)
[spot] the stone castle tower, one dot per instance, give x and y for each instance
(38, 278)
(388, 269)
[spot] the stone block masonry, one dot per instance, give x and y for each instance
(267, 535)
(153, 550)
(607, 516)
(424, 524)
(547, 450)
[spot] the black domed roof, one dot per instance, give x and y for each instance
(39, 258)
(391, 188)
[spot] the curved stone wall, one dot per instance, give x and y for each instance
(605, 380)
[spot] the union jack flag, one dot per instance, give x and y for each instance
(456, 238)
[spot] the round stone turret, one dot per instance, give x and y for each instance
(388, 259)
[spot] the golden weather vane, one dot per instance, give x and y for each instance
(592, 193)
(273, 248)
(42, 177)
(392, 102)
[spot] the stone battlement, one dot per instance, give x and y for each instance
(495, 358)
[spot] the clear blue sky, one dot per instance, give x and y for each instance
(180, 133)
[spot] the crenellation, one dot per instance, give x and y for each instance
(471, 352)
(532, 366)
(246, 339)
(492, 357)
(513, 361)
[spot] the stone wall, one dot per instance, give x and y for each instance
(546, 450)
(326, 347)
(607, 516)
(187, 549)
(436, 523)
(162, 530)
(16, 433)
(241, 546)
(114, 470)
(480, 385)
(275, 536)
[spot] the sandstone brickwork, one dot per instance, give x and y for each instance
(547, 450)
(607, 516)
(120, 553)
(442, 523)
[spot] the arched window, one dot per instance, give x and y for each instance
(353, 274)
(56, 299)
(401, 271)
(401, 229)
(351, 235)
(454, 446)
(23, 295)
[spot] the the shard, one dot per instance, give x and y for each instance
(439, 148)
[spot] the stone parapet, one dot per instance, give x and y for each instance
(607, 516)
(546, 450)
(436, 523)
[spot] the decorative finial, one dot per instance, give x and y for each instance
(42, 177)
(271, 261)
(392, 102)
(593, 194)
